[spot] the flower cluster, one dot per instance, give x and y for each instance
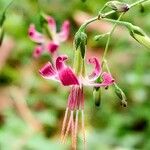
(74, 77)
(44, 42)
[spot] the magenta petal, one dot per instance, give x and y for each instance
(51, 23)
(64, 33)
(107, 79)
(60, 64)
(97, 68)
(52, 47)
(48, 71)
(67, 77)
(35, 35)
(37, 51)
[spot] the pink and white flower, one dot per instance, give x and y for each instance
(43, 42)
(64, 74)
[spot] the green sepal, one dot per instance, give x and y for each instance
(121, 96)
(81, 42)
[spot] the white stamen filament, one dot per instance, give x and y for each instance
(64, 124)
(68, 127)
(83, 130)
(72, 133)
(76, 128)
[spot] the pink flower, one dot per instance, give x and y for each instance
(64, 74)
(43, 43)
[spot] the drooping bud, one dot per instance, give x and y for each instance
(136, 32)
(80, 42)
(97, 96)
(118, 6)
(121, 96)
(97, 92)
(139, 35)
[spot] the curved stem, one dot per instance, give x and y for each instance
(138, 2)
(84, 25)
(109, 37)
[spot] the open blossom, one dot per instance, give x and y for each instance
(43, 41)
(64, 74)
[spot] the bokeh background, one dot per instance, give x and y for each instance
(32, 108)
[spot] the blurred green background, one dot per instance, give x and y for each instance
(27, 101)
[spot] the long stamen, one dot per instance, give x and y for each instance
(83, 129)
(76, 129)
(72, 133)
(68, 127)
(64, 124)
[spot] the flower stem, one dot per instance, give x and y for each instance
(84, 25)
(138, 2)
(109, 37)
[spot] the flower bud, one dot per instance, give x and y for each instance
(97, 96)
(118, 6)
(139, 35)
(80, 42)
(121, 96)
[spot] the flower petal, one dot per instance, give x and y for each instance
(48, 72)
(97, 68)
(107, 79)
(67, 77)
(52, 47)
(52, 24)
(65, 73)
(64, 32)
(35, 35)
(60, 62)
(37, 51)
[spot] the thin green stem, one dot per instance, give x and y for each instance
(9, 4)
(109, 37)
(138, 2)
(84, 25)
